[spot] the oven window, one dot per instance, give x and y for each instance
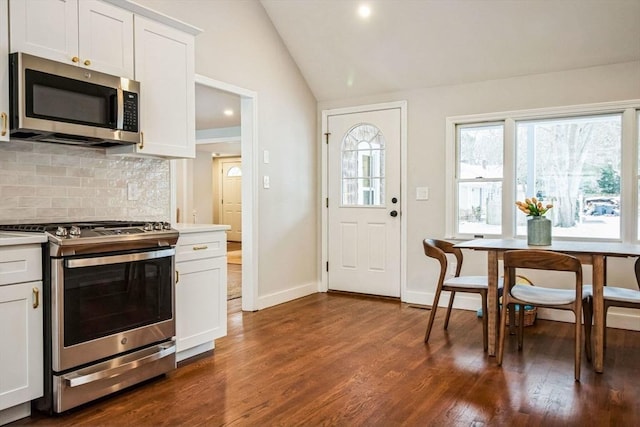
(108, 299)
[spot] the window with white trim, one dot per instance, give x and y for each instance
(570, 157)
(479, 178)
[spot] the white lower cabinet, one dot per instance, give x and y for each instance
(201, 291)
(21, 348)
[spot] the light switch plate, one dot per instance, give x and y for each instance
(265, 156)
(265, 181)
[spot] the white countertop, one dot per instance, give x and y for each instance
(184, 228)
(17, 238)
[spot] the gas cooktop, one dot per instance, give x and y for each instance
(97, 232)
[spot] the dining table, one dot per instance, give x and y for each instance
(588, 252)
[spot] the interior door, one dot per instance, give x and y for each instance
(364, 202)
(232, 198)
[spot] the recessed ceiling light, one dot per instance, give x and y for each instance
(364, 11)
(228, 112)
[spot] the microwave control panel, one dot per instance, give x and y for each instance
(130, 111)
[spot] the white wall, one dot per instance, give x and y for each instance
(203, 187)
(240, 46)
(427, 111)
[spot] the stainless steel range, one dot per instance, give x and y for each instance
(109, 307)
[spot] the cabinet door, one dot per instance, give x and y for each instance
(46, 28)
(4, 71)
(106, 38)
(201, 302)
(164, 65)
(21, 365)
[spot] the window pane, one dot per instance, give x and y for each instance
(234, 171)
(363, 166)
(573, 163)
(480, 151)
(480, 208)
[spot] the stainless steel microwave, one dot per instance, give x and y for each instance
(55, 102)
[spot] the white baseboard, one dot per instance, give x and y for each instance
(194, 351)
(615, 319)
(287, 295)
(14, 413)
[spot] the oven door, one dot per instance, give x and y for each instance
(108, 304)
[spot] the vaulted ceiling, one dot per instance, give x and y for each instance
(407, 44)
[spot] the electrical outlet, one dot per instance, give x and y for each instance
(133, 193)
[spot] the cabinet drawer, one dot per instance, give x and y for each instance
(201, 245)
(20, 264)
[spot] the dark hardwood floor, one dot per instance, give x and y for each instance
(342, 360)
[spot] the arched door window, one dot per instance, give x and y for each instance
(363, 166)
(234, 171)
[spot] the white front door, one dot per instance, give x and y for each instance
(364, 202)
(232, 198)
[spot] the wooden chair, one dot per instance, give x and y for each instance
(615, 297)
(438, 249)
(541, 296)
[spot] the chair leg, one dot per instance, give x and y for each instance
(485, 321)
(512, 320)
(604, 326)
(578, 342)
(432, 316)
(520, 326)
(446, 319)
(503, 329)
(587, 312)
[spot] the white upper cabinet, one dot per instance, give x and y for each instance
(165, 68)
(4, 72)
(89, 33)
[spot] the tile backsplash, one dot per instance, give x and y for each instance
(44, 182)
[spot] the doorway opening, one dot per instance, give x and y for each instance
(224, 132)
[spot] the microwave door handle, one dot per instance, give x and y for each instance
(115, 259)
(120, 110)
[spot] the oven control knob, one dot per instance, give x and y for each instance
(148, 227)
(157, 226)
(74, 231)
(166, 226)
(62, 232)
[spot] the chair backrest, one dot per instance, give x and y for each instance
(438, 249)
(540, 260)
(638, 272)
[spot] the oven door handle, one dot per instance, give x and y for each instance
(115, 259)
(76, 379)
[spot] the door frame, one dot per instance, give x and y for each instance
(324, 282)
(249, 159)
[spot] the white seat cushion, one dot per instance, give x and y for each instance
(478, 282)
(545, 296)
(619, 294)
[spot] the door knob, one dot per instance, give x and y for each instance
(393, 213)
